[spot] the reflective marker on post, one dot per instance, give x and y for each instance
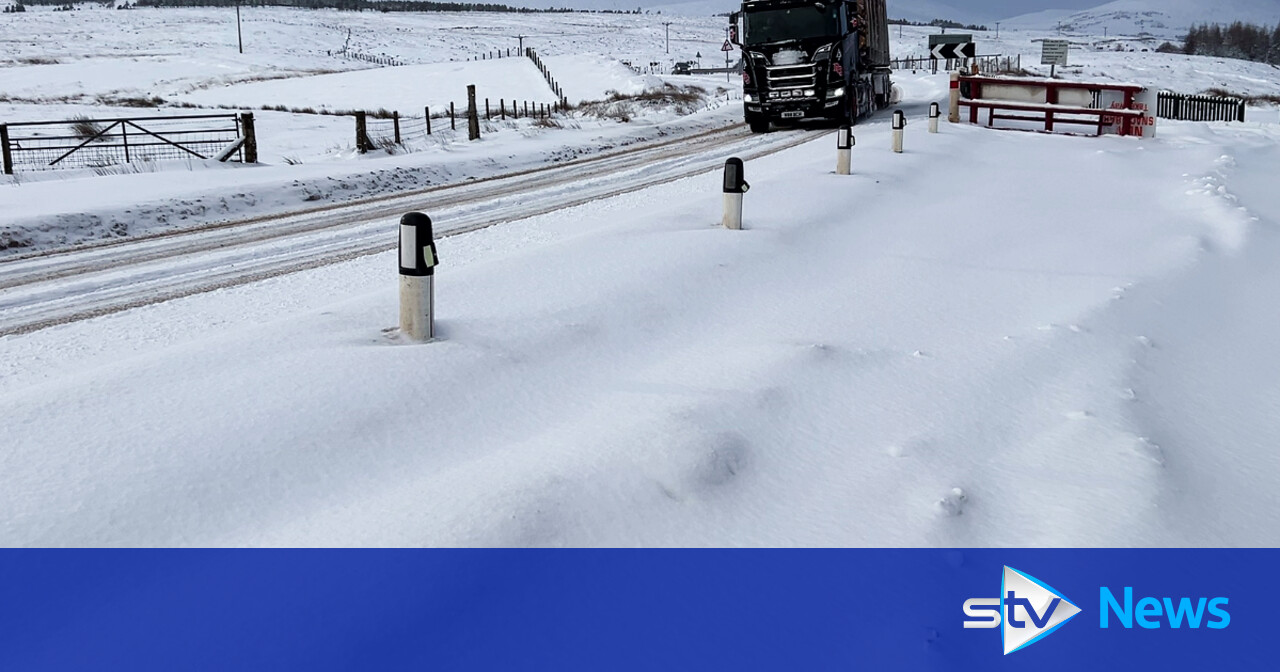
(934, 113)
(899, 121)
(735, 185)
(953, 114)
(417, 277)
(844, 147)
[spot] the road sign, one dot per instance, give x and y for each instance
(1054, 52)
(953, 50)
(949, 38)
(727, 46)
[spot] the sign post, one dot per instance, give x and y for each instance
(728, 47)
(1053, 54)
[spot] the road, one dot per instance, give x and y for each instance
(46, 289)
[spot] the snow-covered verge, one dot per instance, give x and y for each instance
(996, 338)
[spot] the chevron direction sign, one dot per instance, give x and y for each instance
(953, 50)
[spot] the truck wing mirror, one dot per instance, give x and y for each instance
(733, 28)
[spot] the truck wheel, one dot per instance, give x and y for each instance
(758, 125)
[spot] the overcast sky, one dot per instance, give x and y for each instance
(984, 10)
(1005, 8)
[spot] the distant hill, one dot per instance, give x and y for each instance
(1163, 18)
(911, 10)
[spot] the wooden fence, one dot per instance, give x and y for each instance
(991, 64)
(387, 131)
(1172, 105)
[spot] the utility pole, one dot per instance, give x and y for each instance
(997, 30)
(239, 35)
(667, 24)
(521, 38)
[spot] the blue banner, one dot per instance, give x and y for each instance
(636, 609)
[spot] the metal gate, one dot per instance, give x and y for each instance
(99, 143)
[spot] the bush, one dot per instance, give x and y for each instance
(85, 128)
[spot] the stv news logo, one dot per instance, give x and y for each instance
(1027, 609)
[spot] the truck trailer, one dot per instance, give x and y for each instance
(808, 59)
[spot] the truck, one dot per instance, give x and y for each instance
(811, 59)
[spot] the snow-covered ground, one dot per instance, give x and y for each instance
(995, 338)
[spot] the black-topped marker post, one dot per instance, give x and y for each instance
(844, 149)
(417, 277)
(953, 112)
(735, 185)
(899, 122)
(934, 113)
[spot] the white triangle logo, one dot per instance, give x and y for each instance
(1031, 610)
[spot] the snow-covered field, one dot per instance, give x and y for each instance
(995, 338)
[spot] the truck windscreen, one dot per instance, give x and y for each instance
(796, 22)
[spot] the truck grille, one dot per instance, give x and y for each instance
(804, 75)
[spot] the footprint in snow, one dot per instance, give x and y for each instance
(953, 503)
(1149, 450)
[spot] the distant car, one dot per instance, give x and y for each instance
(681, 68)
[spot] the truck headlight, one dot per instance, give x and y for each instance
(748, 98)
(836, 93)
(808, 93)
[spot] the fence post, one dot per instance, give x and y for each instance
(4, 149)
(473, 117)
(124, 139)
(395, 120)
(502, 105)
(526, 109)
(487, 114)
(427, 112)
(453, 123)
(362, 145)
(250, 138)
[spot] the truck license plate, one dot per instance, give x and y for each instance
(793, 114)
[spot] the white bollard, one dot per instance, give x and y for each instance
(735, 185)
(953, 114)
(934, 113)
(844, 149)
(417, 277)
(899, 121)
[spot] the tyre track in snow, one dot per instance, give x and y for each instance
(67, 286)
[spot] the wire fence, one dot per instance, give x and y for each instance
(394, 132)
